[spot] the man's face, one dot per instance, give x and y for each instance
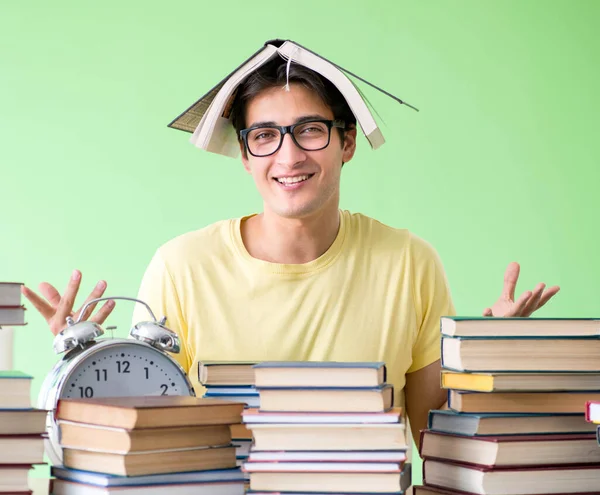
(295, 183)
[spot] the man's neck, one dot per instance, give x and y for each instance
(276, 239)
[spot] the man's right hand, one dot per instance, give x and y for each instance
(55, 308)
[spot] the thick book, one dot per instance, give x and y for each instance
(521, 354)
(303, 437)
(472, 424)
(63, 487)
(356, 400)
(10, 293)
(150, 411)
(22, 421)
(511, 481)
(226, 373)
(111, 480)
(21, 449)
(151, 462)
(320, 374)
(12, 315)
(254, 415)
(122, 441)
(519, 382)
(15, 389)
(521, 402)
(210, 118)
(240, 432)
(508, 450)
(481, 326)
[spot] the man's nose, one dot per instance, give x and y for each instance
(289, 153)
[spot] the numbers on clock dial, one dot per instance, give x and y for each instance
(115, 371)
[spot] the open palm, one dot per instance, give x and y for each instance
(526, 304)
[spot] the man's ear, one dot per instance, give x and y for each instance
(349, 146)
(245, 157)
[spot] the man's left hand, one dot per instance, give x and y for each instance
(527, 303)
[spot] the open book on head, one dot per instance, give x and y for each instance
(209, 119)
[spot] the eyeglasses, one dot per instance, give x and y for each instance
(309, 136)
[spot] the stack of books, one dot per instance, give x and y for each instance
(12, 312)
(147, 445)
(234, 381)
(325, 427)
(21, 432)
(21, 426)
(517, 390)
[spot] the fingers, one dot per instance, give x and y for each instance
(50, 293)
(487, 312)
(65, 306)
(95, 294)
(549, 294)
(520, 304)
(511, 275)
(45, 309)
(103, 312)
(534, 300)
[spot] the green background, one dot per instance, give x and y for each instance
(500, 164)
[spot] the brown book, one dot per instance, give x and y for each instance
(511, 481)
(156, 462)
(520, 402)
(150, 411)
(122, 441)
(226, 373)
(240, 432)
(307, 437)
(377, 399)
(521, 354)
(511, 450)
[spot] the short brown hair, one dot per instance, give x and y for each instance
(274, 74)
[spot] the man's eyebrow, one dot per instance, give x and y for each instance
(299, 120)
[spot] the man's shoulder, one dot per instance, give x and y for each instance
(377, 233)
(212, 239)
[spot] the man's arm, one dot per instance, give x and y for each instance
(422, 393)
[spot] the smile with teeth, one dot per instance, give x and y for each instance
(293, 180)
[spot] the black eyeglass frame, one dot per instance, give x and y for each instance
(289, 129)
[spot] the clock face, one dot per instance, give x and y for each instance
(124, 369)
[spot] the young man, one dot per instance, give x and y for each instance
(302, 280)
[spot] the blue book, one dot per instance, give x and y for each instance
(107, 480)
(497, 424)
(319, 373)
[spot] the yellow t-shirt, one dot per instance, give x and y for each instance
(377, 294)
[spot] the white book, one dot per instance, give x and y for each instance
(209, 117)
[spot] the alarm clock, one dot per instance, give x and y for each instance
(109, 367)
